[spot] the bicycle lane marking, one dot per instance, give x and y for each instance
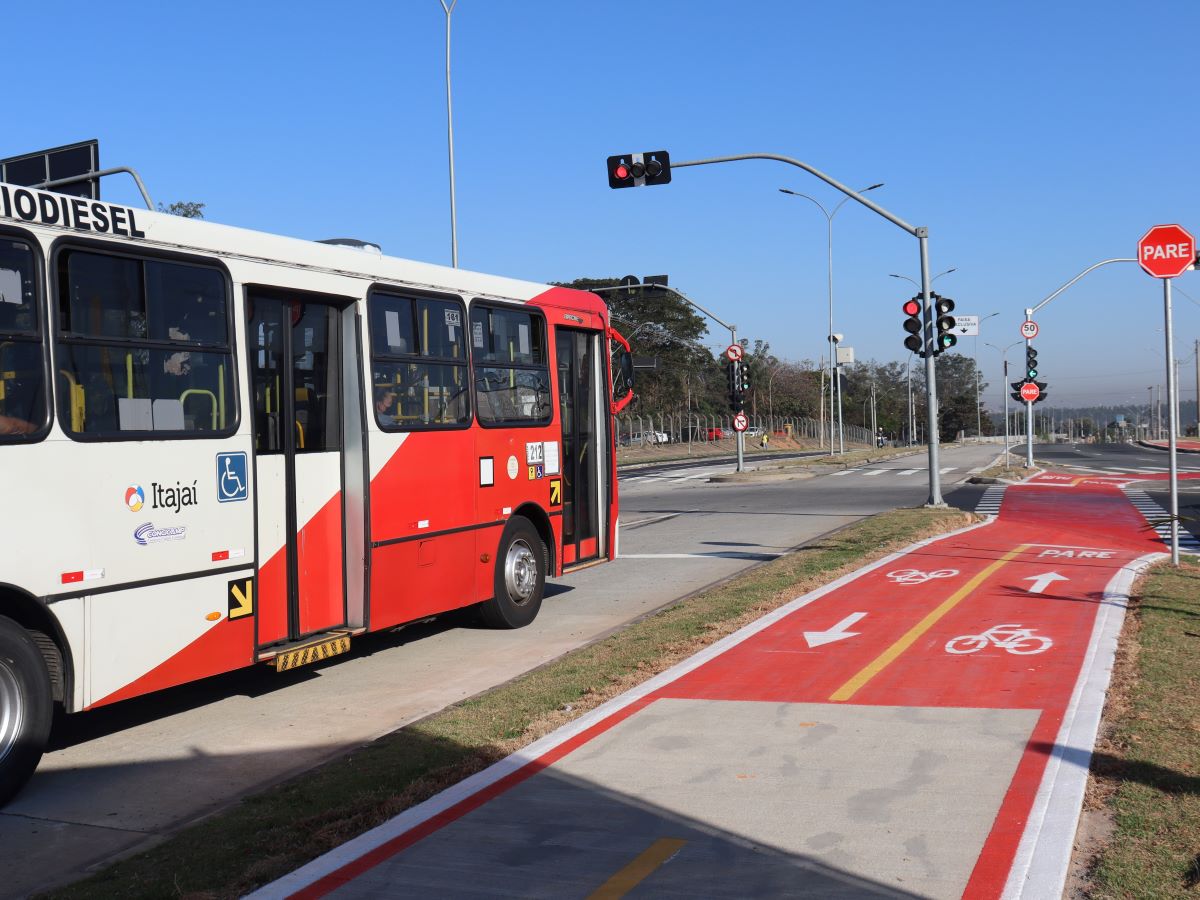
(1065, 611)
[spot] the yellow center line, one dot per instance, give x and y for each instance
(639, 870)
(851, 687)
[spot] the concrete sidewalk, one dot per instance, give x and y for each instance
(920, 728)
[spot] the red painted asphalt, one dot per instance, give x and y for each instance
(1006, 623)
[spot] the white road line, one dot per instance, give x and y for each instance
(947, 469)
(910, 471)
(712, 554)
(870, 472)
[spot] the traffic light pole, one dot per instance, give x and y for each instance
(921, 233)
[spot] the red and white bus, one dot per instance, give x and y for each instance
(221, 447)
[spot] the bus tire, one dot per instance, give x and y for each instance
(26, 707)
(520, 578)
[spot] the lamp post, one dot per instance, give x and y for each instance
(1004, 357)
(829, 214)
(449, 8)
(978, 411)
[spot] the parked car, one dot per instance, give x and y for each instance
(638, 438)
(754, 431)
(714, 434)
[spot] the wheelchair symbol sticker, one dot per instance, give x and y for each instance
(232, 481)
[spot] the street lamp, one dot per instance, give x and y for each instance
(449, 8)
(978, 413)
(931, 280)
(1004, 357)
(829, 214)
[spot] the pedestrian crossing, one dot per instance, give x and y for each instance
(1132, 470)
(865, 472)
(1160, 520)
(989, 503)
(701, 475)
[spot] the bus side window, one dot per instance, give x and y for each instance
(418, 351)
(23, 411)
(143, 347)
(512, 372)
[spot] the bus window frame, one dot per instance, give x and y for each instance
(537, 313)
(140, 252)
(44, 329)
(404, 292)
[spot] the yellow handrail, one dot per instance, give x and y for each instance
(221, 389)
(129, 375)
(211, 396)
(300, 431)
(77, 400)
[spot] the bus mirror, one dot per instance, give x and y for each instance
(622, 388)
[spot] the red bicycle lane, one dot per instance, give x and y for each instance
(999, 617)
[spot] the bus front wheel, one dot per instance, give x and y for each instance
(520, 577)
(26, 707)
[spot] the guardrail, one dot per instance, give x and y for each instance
(649, 430)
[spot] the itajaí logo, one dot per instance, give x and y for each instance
(135, 497)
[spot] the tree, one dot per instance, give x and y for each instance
(186, 208)
(663, 325)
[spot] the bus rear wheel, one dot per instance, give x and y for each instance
(520, 578)
(26, 707)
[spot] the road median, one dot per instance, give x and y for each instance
(271, 833)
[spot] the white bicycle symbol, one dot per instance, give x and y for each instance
(916, 576)
(1013, 638)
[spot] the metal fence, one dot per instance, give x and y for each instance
(648, 430)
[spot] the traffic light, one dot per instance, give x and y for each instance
(912, 324)
(943, 323)
(637, 169)
(736, 396)
(744, 377)
(1031, 370)
(1041, 385)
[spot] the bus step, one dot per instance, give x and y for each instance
(311, 649)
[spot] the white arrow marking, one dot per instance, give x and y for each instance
(836, 633)
(1041, 582)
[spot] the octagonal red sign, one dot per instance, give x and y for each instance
(1166, 251)
(1030, 392)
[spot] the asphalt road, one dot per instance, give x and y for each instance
(118, 779)
(1124, 459)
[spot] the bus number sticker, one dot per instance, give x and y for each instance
(241, 598)
(556, 492)
(534, 453)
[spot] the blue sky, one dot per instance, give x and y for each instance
(1033, 139)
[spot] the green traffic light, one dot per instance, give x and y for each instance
(1031, 373)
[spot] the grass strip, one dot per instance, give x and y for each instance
(1146, 771)
(267, 835)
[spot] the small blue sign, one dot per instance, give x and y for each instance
(233, 482)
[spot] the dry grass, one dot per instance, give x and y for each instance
(272, 833)
(1145, 785)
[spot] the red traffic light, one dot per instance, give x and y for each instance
(912, 308)
(622, 171)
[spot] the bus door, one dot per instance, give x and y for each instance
(585, 463)
(295, 365)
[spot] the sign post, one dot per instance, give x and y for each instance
(1166, 252)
